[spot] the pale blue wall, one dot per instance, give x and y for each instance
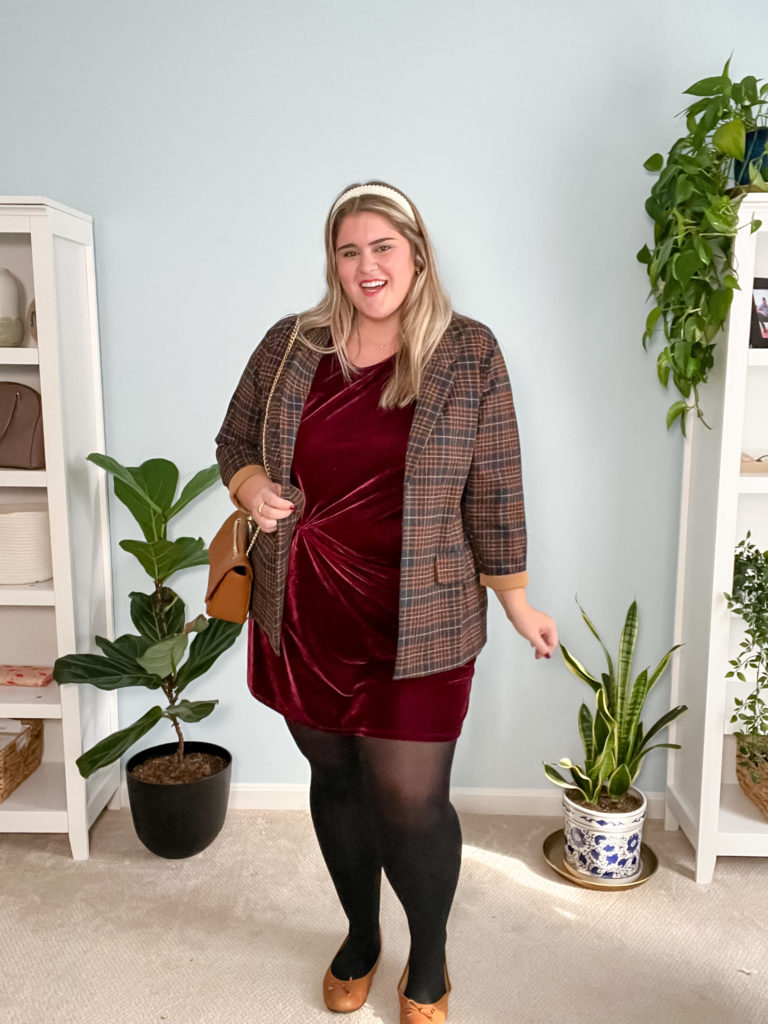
(207, 141)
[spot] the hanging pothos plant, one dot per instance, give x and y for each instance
(695, 210)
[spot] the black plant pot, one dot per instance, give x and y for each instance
(179, 820)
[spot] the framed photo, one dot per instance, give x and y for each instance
(758, 335)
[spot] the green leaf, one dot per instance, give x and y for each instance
(654, 163)
(108, 750)
(720, 303)
(191, 711)
(158, 479)
(101, 672)
(644, 255)
(676, 409)
(163, 658)
(199, 483)
(651, 320)
(123, 652)
(707, 87)
(161, 558)
(662, 367)
(619, 782)
(590, 626)
(126, 475)
(206, 648)
(731, 138)
(629, 726)
(657, 727)
(627, 642)
(158, 614)
(754, 226)
(685, 265)
(586, 731)
(554, 776)
(578, 669)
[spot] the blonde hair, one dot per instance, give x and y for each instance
(425, 312)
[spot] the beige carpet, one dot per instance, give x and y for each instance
(243, 933)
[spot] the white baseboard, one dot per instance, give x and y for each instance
(290, 796)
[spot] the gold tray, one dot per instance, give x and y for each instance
(554, 852)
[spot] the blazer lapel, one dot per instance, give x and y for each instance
(298, 373)
(435, 387)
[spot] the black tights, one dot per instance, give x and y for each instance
(385, 803)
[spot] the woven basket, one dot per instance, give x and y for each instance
(25, 544)
(752, 769)
(21, 757)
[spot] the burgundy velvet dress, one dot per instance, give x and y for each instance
(340, 620)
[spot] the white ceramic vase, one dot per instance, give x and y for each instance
(11, 324)
(604, 844)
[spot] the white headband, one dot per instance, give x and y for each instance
(376, 190)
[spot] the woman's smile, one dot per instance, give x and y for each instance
(375, 265)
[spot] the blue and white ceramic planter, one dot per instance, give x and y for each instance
(603, 844)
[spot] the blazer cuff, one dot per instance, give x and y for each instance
(512, 581)
(239, 479)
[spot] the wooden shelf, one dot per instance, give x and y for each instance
(19, 357)
(39, 804)
(30, 701)
(28, 594)
(23, 478)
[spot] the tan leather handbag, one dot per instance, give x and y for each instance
(21, 427)
(230, 576)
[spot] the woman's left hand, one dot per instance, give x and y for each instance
(534, 626)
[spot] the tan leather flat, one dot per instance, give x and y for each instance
(346, 996)
(422, 1013)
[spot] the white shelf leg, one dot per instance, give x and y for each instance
(705, 865)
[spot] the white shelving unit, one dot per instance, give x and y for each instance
(719, 504)
(49, 249)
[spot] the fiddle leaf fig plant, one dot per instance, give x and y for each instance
(695, 214)
(153, 657)
(614, 738)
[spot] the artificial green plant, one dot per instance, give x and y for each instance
(153, 657)
(749, 600)
(614, 738)
(695, 213)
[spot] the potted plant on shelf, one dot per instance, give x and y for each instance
(604, 814)
(695, 211)
(178, 792)
(749, 600)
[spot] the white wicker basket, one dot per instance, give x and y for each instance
(25, 544)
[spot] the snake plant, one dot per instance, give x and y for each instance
(614, 738)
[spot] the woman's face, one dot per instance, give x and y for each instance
(375, 265)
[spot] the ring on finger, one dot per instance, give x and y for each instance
(261, 506)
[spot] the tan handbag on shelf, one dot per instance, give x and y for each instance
(230, 576)
(21, 427)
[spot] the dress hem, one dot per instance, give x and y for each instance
(360, 731)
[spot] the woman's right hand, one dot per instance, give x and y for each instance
(261, 497)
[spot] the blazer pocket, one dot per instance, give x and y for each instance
(455, 567)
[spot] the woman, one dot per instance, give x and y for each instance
(390, 501)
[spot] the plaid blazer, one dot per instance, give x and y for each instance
(463, 517)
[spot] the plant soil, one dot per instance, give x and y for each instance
(168, 770)
(629, 802)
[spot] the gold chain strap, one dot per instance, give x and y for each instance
(294, 334)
